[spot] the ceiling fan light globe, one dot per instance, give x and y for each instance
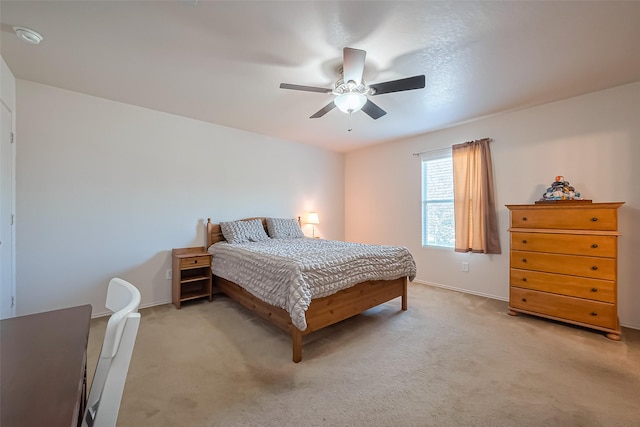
(350, 102)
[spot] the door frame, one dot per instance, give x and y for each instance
(11, 288)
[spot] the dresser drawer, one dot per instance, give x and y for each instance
(194, 261)
(572, 244)
(566, 218)
(570, 308)
(583, 266)
(594, 289)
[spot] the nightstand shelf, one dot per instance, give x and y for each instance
(191, 278)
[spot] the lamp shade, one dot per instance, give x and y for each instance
(350, 102)
(313, 218)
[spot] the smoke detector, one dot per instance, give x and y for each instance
(28, 35)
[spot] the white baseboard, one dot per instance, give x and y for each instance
(147, 305)
(421, 282)
(466, 291)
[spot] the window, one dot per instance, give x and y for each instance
(438, 224)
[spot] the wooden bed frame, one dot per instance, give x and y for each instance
(322, 312)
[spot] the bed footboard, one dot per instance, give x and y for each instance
(324, 311)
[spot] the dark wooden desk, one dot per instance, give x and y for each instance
(42, 367)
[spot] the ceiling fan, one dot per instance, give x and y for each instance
(351, 90)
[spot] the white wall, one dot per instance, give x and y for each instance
(106, 189)
(592, 140)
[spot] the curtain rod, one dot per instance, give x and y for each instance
(432, 151)
(449, 148)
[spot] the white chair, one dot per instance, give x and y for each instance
(111, 372)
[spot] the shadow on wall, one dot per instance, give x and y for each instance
(150, 277)
(628, 267)
(201, 234)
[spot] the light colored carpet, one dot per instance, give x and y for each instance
(452, 359)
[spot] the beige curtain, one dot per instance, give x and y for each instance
(473, 198)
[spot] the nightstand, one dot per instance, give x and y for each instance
(191, 277)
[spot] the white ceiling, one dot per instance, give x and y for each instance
(222, 62)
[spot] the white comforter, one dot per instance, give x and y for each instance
(288, 273)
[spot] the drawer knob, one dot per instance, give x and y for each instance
(524, 279)
(524, 260)
(195, 261)
(524, 218)
(594, 268)
(524, 300)
(594, 314)
(594, 219)
(594, 289)
(594, 246)
(524, 241)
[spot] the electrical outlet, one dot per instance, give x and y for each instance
(465, 266)
(169, 273)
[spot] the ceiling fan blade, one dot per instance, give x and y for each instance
(304, 88)
(373, 110)
(353, 64)
(410, 83)
(330, 106)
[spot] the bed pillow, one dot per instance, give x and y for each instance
(284, 228)
(243, 231)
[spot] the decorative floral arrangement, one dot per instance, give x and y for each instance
(561, 190)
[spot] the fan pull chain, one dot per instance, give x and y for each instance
(350, 127)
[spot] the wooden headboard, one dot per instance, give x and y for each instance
(214, 233)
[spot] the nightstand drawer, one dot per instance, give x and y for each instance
(194, 261)
(584, 266)
(575, 309)
(572, 244)
(593, 289)
(566, 218)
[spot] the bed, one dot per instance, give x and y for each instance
(247, 272)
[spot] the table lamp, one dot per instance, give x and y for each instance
(313, 220)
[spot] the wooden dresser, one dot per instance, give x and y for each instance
(564, 263)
